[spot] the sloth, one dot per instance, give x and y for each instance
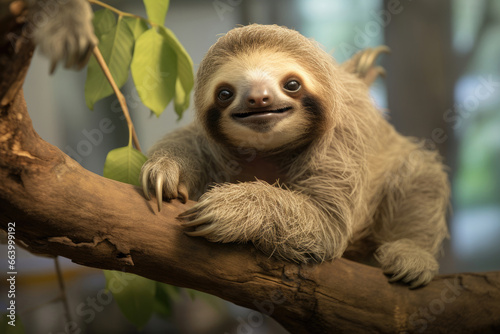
(287, 151)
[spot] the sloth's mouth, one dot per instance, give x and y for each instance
(261, 113)
(261, 120)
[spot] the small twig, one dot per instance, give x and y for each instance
(62, 288)
(121, 13)
(119, 95)
(113, 9)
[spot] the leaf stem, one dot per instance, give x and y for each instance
(62, 289)
(119, 95)
(119, 12)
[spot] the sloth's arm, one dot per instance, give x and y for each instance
(411, 220)
(280, 222)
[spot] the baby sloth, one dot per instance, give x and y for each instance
(288, 152)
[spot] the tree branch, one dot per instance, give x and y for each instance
(62, 209)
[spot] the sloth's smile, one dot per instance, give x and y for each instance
(261, 120)
(264, 113)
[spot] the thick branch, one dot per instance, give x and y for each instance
(62, 209)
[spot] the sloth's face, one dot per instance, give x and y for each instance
(261, 100)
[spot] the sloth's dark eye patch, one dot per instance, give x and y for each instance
(292, 86)
(224, 94)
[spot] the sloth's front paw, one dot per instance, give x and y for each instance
(273, 219)
(163, 175)
(221, 215)
(66, 34)
(407, 262)
(213, 218)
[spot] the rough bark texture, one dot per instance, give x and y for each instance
(62, 209)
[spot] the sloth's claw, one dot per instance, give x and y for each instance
(195, 222)
(160, 188)
(183, 194)
(191, 223)
(397, 277)
(71, 57)
(201, 231)
(188, 213)
(84, 57)
(422, 280)
(145, 185)
(193, 233)
(53, 66)
(368, 59)
(205, 219)
(159, 192)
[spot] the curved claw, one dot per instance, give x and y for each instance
(199, 221)
(381, 71)
(53, 66)
(193, 223)
(192, 234)
(368, 59)
(201, 232)
(145, 183)
(70, 56)
(376, 71)
(397, 277)
(183, 193)
(185, 215)
(419, 282)
(188, 213)
(159, 192)
(85, 59)
(362, 67)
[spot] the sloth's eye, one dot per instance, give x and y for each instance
(292, 86)
(224, 94)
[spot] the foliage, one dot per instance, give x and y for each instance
(5, 328)
(135, 299)
(161, 68)
(116, 43)
(124, 164)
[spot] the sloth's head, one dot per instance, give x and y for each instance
(265, 87)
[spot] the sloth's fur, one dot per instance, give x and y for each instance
(333, 177)
(62, 30)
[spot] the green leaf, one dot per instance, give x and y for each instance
(180, 99)
(171, 291)
(211, 300)
(124, 164)
(165, 295)
(134, 295)
(116, 47)
(154, 70)
(9, 329)
(157, 10)
(136, 25)
(104, 20)
(184, 72)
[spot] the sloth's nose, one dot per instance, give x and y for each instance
(259, 97)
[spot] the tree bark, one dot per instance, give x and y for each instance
(59, 208)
